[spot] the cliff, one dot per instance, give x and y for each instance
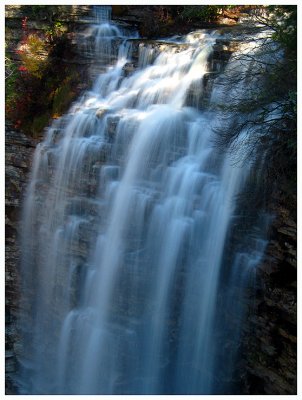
(270, 338)
(18, 156)
(269, 344)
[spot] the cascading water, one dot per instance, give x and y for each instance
(125, 226)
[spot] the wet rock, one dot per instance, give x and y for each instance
(129, 68)
(271, 334)
(101, 112)
(18, 156)
(112, 122)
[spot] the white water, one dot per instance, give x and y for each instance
(125, 228)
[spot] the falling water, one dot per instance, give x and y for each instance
(125, 227)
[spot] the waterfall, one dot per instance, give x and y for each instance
(126, 222)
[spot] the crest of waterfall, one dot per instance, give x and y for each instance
(102, 14)
(125, 226)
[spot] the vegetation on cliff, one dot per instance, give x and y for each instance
(40, 80)
(270, 109)
(159, 21)
(40, 84)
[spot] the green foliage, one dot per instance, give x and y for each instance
(11, 74)
(41, 85)
(39, 123)
(205, 13)
(283, 20)
(34, 55)
(56, 30)
(47, 12)
(63, 95)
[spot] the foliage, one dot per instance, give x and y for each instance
(268, 110)
(33, 54)
(39, 123)
(47, 12)
(63, 95)
(41, 85)
(11, 74)
(159, 20)
(283, 20)
(56, 30)
(205, 13)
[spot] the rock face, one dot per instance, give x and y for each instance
(269, 343)
(42, 82)
(73, 20)
(271, 333)
(18, 154)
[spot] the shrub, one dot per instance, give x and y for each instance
(42, 85)
(33, 54)
(269, 106)
(205, 13)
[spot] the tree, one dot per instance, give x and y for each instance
(267, 109)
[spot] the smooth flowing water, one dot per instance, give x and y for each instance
(125, 230)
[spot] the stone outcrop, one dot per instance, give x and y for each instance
(18, 155)
(270, 338)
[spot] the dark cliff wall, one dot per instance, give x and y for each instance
(18, 156)
(19, 148)
(270, 337)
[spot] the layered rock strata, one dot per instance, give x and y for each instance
(18, 155)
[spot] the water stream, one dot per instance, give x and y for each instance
(125, 229)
